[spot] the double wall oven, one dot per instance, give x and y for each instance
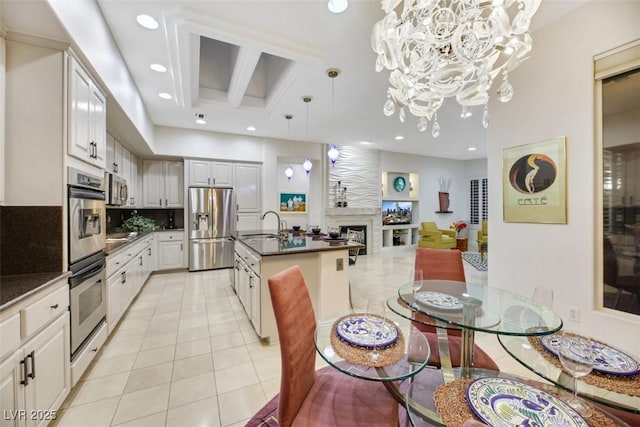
(87, 261)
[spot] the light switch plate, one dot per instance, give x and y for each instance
(339, 264)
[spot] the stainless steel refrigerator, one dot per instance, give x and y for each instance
(212, 221)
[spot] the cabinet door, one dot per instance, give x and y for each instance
(222, 173)
(117, 158)
(49, 365)
(114, 300)
(11, 391)
(98, 126)
(247, 184)
(173, 185)
(111, 154)
(79, 113)
(254, 296)
(153, 183)
(170, 255)
(199, 173)
(124, 168)
(132, 186)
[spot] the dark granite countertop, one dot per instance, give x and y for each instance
(294, 243)
(16, 288)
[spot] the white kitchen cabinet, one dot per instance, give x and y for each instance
(209, 173)
(247, 282)
(248, 188)
(170, 250)
(163, 184)
(133, 185)
(87, 117)
(35, 377)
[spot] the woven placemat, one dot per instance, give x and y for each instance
(358, 355)
(451, 404)
(623, 384)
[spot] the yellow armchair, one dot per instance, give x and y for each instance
(433, 237)
(483, 234)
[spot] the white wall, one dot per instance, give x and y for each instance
(554, 96)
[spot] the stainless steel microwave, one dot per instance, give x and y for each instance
(117, 192)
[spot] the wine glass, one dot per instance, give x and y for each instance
(375, 322)
(416, 279)
(576, 355)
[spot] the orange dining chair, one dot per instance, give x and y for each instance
(446, 264)
(325, 397)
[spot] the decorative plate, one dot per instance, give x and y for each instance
(606, 359)
(439, 300)
(359, 330)
(502, 402)
(399, 184)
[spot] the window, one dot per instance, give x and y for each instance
(617, 75)
(478, 200)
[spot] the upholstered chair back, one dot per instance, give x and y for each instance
(440, 264)
(429, 225)
(296, 325)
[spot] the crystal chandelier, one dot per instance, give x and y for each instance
(436, 49)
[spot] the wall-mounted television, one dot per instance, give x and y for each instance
(396, 213)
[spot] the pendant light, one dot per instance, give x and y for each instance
(333, 152)
(288, 172)
(307, 165)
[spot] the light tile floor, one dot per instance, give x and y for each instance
(185, 353)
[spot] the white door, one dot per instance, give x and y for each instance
(247, 185)
(170, 255)
(132, 186)
(173, 185)
(114, 300)
(99, 126)
(153, 183)
(199, 173)
(111, 154)
(51, 380)
(222, 173)
(11, 391)
(79, 113)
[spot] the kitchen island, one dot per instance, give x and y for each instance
(261, 254)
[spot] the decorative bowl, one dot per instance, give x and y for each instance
(334, 234)
(315, 230)
(295, 227)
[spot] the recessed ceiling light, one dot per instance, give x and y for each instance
(472, 148)
(399, 138)
(147, 22)
(251, 128)
(200, 119)
(158, 67)
(337, 6)
(165, 95)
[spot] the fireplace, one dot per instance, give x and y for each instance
(369, 218)
(344, 228)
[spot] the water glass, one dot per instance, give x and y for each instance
(576, 355)
(375, 321)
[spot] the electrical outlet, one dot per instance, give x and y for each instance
(339, 264)
(574, 314)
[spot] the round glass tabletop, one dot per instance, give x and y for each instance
(411, 358)
(482, 308)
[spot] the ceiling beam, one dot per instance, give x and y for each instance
(243, 70)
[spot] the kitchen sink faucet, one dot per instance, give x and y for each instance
(279, 221)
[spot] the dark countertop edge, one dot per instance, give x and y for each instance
(292, 251)
(31, 284)
(124, 244)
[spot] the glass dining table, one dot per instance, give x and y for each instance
(620, 392)
(411, 352)
(446, 304)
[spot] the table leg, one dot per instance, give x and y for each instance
(470, 305)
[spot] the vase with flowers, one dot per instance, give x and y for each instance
(458, 226)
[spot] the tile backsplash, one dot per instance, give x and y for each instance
(116, 216)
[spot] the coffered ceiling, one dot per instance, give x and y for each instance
(248, 63)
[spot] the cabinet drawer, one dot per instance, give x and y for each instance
(9, 335)
(42, 312)
(116, 262)
(88, 353)
(170, 236)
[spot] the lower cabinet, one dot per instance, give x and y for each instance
(35, 379)
(170, 250)
(247, 283)
(126, 274)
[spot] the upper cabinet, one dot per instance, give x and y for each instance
(124, 164)
(247, 186)
(209, 173)
(163, 184)
(87, 117)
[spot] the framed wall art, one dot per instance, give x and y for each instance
(534, 182)
(293, 202)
